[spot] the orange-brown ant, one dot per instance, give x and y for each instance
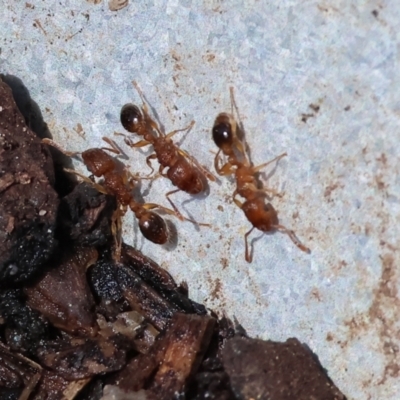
(261, 215)
(118, 181)
(183, 170)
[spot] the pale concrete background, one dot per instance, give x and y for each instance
(341, 177)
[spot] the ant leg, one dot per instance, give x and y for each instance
(140, 143)
(226, 169)
(161, 171)
(261, 166)
(216, 161)
(248, 256)
(202, 168)
(129, 142)
(233, 102)
(145, 110)
(180, 216)
(114, 148)
(236, 201)
(240, 146)
(272, 191)
(234, 106)
(130, 178)
(175, 212)
(148, 162)
(52, 143)
(98, 187)
(293, 237)
(170, 134)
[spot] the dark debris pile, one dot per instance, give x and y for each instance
(75, 324)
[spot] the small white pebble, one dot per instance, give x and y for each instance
(42, 212)
(13, 269)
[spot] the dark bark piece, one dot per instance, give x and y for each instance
(103, 280)
(172, 361)
(139, 370)
(92, 391)
(142, 284)
(77, 359)
(144, 299)
(24, 328)
(85, 216)
(212, 382)
(28, 202)
(187, 341)
(147, 269)
(115, 393)
(211, 386)
(160, 280)
(63, 295)
(117, 282)
(10, 394)
(278, 371)
(18, 374)
(54, 387)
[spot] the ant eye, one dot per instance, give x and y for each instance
(153, 228)
(222, 131)
(131, 117)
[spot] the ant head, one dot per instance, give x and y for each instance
(223, 131)
(153, 227)
(131, 118)
(98, 162)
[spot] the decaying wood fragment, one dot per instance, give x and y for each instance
(63, 295)
(18, 374)
(76, 359)
(173, 360)
(261, 369)
(28, 202)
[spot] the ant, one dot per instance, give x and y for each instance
(261, 215)
(183, 170)
(118, 181)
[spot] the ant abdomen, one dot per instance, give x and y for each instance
(153, 227)
(222, 131)
(262, 216)
(131, 118)
(185, 178)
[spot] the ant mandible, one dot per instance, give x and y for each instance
(261, 215)
(118, 181)
(183, 170)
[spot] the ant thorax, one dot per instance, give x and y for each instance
(166, 151)
(248, 190)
